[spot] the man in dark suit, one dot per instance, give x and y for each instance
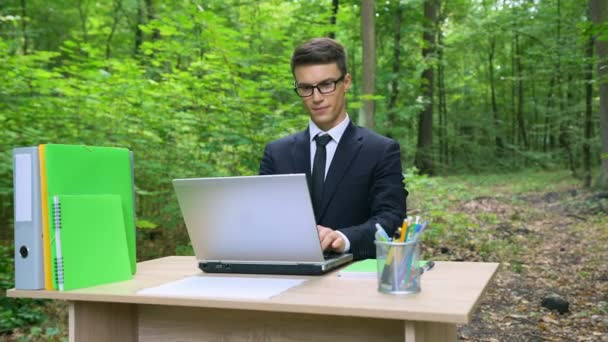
(354, 174)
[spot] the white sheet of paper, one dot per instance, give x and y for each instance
(23, 188)
(224, 287)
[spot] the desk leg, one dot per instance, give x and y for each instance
(97, 321)
(429, 331)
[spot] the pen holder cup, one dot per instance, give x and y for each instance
(397, 267)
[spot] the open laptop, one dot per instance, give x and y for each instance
(253, 224)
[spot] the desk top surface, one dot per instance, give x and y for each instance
(449, 293)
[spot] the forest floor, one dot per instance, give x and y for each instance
(549, 235)
(558, 242)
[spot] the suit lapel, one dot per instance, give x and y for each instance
(348, 148)
(300, 152)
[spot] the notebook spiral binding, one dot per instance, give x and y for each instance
(58, 262)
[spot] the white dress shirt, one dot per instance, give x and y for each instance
(335, 134)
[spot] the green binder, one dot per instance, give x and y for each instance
(89, 241)
(92, 170)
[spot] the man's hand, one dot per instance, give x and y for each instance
(331, 240)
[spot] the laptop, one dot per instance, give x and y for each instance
(254, 224)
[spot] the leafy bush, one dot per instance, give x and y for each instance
(15, 313)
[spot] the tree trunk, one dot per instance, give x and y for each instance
(497, 127)
(564, 132)
(599, 14)
(115, 19)
(83, 20)
(151, 16)
(368, 35)
(534, 143)
(520, 94)
(555, 126)
(588, 133)
(442, 107)
(24, 27)
(513, 119)
(564, 120)
(424, 157)
(139, 35)
(332, 20)
(393, 119)
(547, 136)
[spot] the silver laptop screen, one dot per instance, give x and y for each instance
(251, 218)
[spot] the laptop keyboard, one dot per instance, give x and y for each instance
(330, 255)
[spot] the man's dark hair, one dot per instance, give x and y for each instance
(319, 51)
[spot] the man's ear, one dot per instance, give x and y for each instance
(347, 80)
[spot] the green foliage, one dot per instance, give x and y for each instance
(202, 99)
(15, 313)
(201, 88)
(144, 224)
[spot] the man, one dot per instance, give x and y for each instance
(354, 174)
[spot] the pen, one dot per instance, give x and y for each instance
(381, 234)
(397, 235)
(419, 229)
(427, 267)
(391, 250)
(405, 229)
(422, 226)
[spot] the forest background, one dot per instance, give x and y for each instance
(197, 88)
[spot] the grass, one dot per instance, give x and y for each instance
(519, 182)
(440, 201)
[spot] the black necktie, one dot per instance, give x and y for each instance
(318, 172)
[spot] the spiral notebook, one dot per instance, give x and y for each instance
(89, 241)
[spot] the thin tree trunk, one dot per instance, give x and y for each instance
(535, 121)
(82, 12)
(513, 119)
(588, 133)
(424, 160)
(547, 136)
(139, 35)
(520, 94)
(556, 83)
(599, 14)
(368, 22)
(24, 27)
(151, 16)
(564, 117)
(393, 120)
(564, 135)
(116, 18)
(332, 20)
(442, 107)
(497, 127)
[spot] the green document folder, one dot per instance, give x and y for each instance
(92, 170)
(365, 269)
(91, 243)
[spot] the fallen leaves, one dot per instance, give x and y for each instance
(561, 249)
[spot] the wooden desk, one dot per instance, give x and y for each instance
(324, 308)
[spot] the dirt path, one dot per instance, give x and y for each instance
(561, 241)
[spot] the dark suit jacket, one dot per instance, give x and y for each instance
(363, 186)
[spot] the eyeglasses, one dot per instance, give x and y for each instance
(325, 87)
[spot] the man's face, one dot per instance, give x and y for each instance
(326, 110)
